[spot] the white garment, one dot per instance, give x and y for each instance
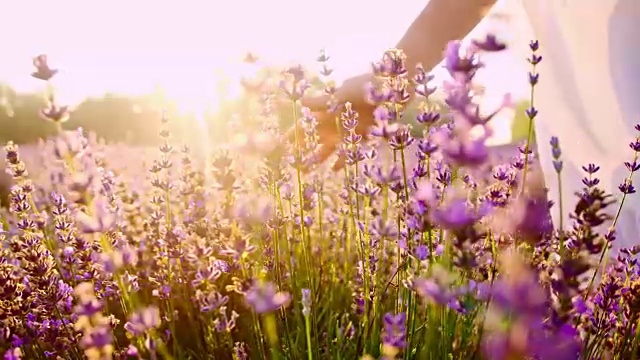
(589, 97)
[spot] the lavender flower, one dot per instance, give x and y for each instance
(490, 44)
(43, 71)
(96, 329)
(306, 302)
(99, 220)
(55, 113)
(13, 354)
(555, 153)
(110, 251)
(143, 320)
(458, 214)
(264, 298)
(395, 329)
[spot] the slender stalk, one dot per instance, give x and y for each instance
(305, 240)
(307, 328)
(531, 117)
(636, 341)
(561, 213)
(613, 226)
(271, 329)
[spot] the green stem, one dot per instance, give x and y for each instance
(561, 210)
(529, 135)
(636, 341)
(305, 240)
(613, 226)
(307, 326)
(271, 329)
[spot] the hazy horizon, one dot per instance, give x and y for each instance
(188, 48)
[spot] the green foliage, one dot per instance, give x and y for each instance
(134, 120)
(115, 118)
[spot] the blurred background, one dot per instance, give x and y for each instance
(122, 60)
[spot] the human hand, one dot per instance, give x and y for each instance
(330, 133)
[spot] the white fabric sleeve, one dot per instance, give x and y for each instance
(589, 97)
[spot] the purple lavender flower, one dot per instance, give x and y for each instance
(456, 64)
(383, 176)
(395, 330)
(224, 322)
(521, 303)
(384, 129)
(627, 187)
(99, 220)
(211, 301)
(13, 354)
(421, 81)
(428, 117)
(143, 320)
(422, 252)
(192, 238)
(133, 351)
(391, 65)
(297, 86)
(264, 298)
(530, 218)
(306, 302)
(43, 71)
(458, 214)
(556, 153)
(490, 44)
(240, 351)
(96, 329)
(55, 113)
(432, 291)
(463, 151)
(375, 95)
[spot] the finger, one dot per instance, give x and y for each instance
(339, 163)
(325, 128)
(325, 151)
(316, 103)
(321, 155)
(291, 135)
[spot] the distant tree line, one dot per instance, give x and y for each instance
(113, 117)
(136, 120)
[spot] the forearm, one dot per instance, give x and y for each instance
(424, 42)
(439, 22)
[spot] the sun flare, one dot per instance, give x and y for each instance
(194, 51)
(131, 47)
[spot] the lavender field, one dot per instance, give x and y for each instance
(420, 247)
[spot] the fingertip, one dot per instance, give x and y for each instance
(294, 140)
(338, 164)
(315, 103)
(290, 134)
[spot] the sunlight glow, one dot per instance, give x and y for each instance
(189, 48)
(130, 46)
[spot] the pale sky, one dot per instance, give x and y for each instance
(129, 45)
